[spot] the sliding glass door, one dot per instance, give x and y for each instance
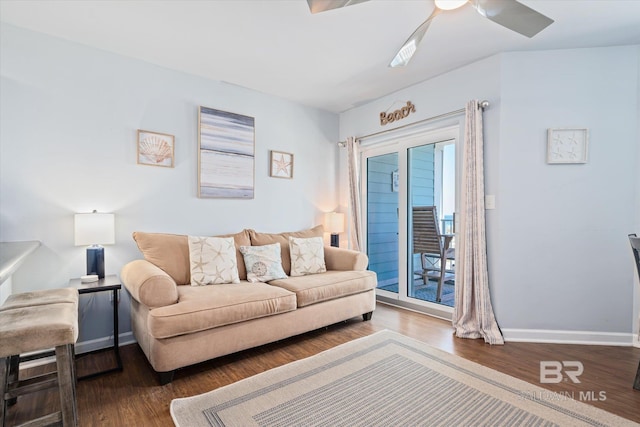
(409, 192)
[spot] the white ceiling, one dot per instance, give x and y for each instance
(333, 60)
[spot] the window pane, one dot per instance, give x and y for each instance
(430, 209)
(382, 219)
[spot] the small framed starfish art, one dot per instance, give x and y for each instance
(567, 146)
(281, 165)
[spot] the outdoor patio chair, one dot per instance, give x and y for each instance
(434, 248)
(635, 247)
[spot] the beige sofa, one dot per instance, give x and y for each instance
(177, 325)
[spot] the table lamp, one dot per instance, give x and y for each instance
(95, 229)
(334, 224)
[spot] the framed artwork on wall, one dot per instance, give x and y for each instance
(226, 159)
(567, 146)
(281, 164)
(155, 149)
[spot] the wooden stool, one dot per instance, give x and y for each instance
(29, 299)
(35, 327)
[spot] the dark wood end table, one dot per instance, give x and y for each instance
(108, 283)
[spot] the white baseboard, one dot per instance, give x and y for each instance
(104, 342)
(568, 337)
(85, 347)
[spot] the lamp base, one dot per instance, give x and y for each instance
(335, 240)
(95, 260)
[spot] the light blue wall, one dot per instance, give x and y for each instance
(563, 228)
(68, 121)
(559, 259)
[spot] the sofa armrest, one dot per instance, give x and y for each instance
(149, 284)
(344, 259)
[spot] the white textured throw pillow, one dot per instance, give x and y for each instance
(307, 256)
(213, 260)
(263, 263)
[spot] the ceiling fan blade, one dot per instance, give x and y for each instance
(409, 47)
(317, 6)
(513, 15)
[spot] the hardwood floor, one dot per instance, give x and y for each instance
(134, 398)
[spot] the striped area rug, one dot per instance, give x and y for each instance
(385, 379)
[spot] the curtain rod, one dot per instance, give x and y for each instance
(483, 106)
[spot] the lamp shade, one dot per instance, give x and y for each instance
(334, 222)
(94, 229)
(449, 4)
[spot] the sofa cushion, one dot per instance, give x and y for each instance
(307, 256)
(40, 297)
(170, 252)
(205, 307)
(39, 327)
(263, 263)
(327, 286)
(213, 260)
(259, 239)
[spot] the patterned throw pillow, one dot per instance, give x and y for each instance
(263, 262)
(307, 256)
(212, 260)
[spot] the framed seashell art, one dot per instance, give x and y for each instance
(155, 149)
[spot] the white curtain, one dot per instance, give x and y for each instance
(473, 314)
(355, 214)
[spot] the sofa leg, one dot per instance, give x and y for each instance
(166, 377)
(367, 316)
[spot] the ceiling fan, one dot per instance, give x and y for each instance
(510, 14)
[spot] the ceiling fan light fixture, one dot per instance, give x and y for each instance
(449, 4)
